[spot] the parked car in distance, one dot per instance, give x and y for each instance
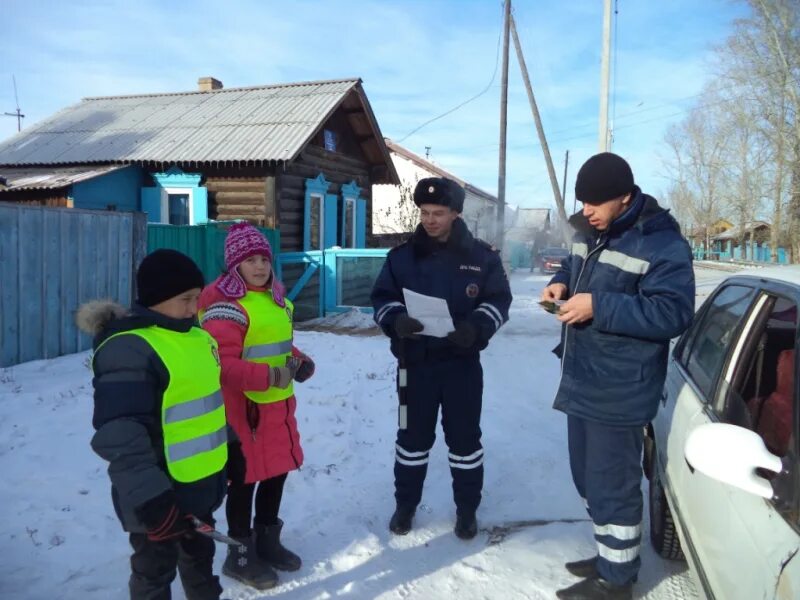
(548, 260)
(722, 452)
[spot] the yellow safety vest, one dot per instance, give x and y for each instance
(268, 339)
(192, 409)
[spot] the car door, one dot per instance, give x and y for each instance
(762, 535)
(696, 371)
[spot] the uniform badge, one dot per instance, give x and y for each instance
(472, 290)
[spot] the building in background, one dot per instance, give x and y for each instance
(394, 213)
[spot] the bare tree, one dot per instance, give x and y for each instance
(402, 217)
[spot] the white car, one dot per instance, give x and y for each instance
(722, 453)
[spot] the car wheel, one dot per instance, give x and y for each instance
(663, 534)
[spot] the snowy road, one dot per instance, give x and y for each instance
(60, 539)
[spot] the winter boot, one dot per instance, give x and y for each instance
(243, 564)
(466, 525)
(583, 568)
(400, 523)
(270, 549)
(596, 588)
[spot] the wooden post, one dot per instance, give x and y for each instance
(271, 211)
(501, 176)
(562, 213)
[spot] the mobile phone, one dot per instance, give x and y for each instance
(551, 307)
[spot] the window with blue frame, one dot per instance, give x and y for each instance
(353, 224)
(319, 215)
(176, 199)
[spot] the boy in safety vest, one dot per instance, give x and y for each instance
(247, 313)
(160, 422)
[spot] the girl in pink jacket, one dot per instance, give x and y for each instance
(246, 312)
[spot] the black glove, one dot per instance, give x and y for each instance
(407, 327)
(163, 519)
(306, 369)
(464, 335)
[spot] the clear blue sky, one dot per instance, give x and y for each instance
(417, 58)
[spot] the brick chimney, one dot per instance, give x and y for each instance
(207, 84)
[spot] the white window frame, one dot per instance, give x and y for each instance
(321, 241)
(166, 191)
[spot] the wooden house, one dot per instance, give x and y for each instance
(299, 157)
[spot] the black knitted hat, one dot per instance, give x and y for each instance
(603, 177)
(164, 274)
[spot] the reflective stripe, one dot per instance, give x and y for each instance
(189, 448)
(618, 556)
(472, 456)
(497, 324)
(412, 463)
(579, 249)
(267, 350)
(193, 408)
(626, 263)
(384, 310)
(620, 532)
(457, 465)
(405, 452)
(492, 308)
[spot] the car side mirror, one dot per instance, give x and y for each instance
(731, 454)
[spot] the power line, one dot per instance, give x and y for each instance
(475, 97)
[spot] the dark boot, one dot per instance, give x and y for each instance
(400, 523)
(466, 526)
(243, 564)
(596, 588)
(583, 568)
(270, 549)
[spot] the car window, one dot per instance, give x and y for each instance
(763, 389)
(711, 337)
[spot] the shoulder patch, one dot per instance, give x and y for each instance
(224, 311)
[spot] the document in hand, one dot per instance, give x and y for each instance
(432, 312)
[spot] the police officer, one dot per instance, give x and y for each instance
(441, 259)
(160, 423)
(629, 286)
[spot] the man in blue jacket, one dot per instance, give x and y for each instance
(629, 286)
(441, 259)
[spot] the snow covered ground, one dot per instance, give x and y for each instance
(60, 539)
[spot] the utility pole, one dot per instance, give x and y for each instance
(564, 181)
(605, 76)
(501, 176)
(540, 130)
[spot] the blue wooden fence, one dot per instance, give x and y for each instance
(51, 261)
(323, 282)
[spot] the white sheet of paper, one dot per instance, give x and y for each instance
(431, 311)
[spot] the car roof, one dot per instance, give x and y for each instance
(786, 274)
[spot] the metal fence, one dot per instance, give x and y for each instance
(51, 261)
(204, 243)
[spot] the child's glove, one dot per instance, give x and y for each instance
(280, 377)
(163, 519)
(305, 370)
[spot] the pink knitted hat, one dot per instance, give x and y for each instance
(242, 242)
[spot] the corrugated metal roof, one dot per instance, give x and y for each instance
(267, 123)
(49, 178)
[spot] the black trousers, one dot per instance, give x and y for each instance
(457, 386)
(153, 567)
(239, 506)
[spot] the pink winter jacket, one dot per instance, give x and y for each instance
(274, 448)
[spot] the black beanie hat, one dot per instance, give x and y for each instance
(439, 190)
(164, 274)
(603, 177)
